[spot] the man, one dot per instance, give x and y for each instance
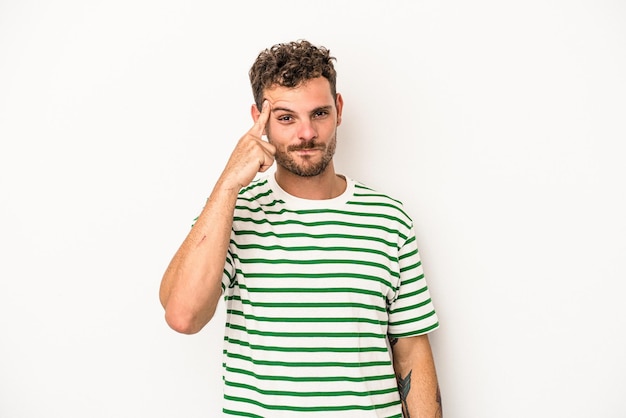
(327, 308)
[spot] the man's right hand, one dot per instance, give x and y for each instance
(252, 155)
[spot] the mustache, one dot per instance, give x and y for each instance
(311, 144)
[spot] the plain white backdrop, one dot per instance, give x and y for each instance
(500, 125)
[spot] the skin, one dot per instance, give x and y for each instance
(301, 127)
(191, 286)
(417, 379)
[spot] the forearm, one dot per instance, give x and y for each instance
(417, 378)
(191, 286)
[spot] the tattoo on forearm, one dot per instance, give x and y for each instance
(404, 387)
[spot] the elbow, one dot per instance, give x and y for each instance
(185, 321)
(181, 323)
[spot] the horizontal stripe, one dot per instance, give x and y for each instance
(321, 261)
(412, 307)
(241, 414)
(393, 205)
(316, 305)
(411, 267)
(303, 235)
(411, 320)
(306, 334)
(310, 394)
(417, 292)
(311, 378)
(306, 319)
(412, 280)
(314, 248)
(416, 332)
(335, 213)
(315, 224)
(305, 290)
(409, 254)
(312, 408)
(308, 349)
(301, 364)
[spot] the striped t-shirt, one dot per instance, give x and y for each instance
(313, 290)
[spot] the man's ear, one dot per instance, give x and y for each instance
(254, 111)
(339, 105)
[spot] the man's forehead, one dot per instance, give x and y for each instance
(304, 97)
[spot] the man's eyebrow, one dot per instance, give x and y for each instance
(317, 109)
(282, 109)
(324, 108)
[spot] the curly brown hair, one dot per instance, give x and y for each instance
(290, 65)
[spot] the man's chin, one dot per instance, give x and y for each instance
(305, 171)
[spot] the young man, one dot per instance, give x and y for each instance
(327, 307)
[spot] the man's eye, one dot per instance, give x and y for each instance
(285, 118)
(321, 113)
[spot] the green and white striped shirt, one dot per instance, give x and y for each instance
(313, 289)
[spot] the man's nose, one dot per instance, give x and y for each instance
(307, 131)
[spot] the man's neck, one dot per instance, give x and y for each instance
(326, 185)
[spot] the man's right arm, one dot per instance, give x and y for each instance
(191, 286)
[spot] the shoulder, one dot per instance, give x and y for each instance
(366, 196)
(258, 195)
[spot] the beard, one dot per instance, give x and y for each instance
(307, 168)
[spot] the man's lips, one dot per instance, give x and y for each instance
(307, 152)
(307, 149)
(305, 146)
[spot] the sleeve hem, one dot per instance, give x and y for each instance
(415, 333)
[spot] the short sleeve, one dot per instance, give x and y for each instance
(412, 311)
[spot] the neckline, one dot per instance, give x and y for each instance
(300, 203)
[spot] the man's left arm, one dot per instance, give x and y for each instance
(417, 379)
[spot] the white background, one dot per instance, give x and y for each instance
(501, 125)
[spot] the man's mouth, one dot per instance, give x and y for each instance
(305, 146)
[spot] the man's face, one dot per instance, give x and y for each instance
(303, 126)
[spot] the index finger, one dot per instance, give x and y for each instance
(259, 126)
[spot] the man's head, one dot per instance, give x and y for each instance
(290, 65)
(298, 81)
